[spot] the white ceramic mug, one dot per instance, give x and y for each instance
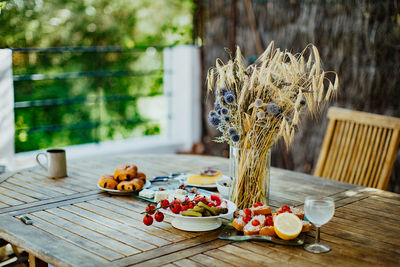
(56, 162)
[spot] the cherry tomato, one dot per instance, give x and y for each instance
(148, 220)
(159, 216)
(150, 209)
(176, 208)
(215, 197)
(164, 204)
(184, 207)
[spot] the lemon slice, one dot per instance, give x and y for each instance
(287, 226)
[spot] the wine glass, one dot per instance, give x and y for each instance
(318, 210)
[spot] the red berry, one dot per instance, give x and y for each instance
(150, 209)
(148, 220)
(258, 204)
(247, 211)
(164, 204)
(176, 208)
(159, 216)
(255, 222)
(246, 218)
(215, 197)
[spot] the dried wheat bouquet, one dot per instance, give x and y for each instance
(258, 104)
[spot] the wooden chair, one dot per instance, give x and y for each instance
(359, 148)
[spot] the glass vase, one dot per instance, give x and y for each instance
(249, 170)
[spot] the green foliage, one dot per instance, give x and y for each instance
(93, 116)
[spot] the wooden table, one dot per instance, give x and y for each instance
(75, 224)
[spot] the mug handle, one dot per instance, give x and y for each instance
(38, 161)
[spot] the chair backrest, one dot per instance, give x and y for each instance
(359, 148)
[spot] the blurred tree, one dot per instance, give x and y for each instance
(131, 24)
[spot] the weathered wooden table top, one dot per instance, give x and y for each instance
(76, 224)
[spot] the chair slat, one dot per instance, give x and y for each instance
(384, 153)
(361, 151)
(366, 145)
(388, 164)
(354, 159)
(333, 151)
(377, 140)
(363, 178)
(347, 134)
(347, 167)
(379, 157)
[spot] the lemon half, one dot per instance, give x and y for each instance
(287, 226)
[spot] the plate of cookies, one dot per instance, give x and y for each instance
(125, 180)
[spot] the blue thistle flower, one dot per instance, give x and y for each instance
(258, 103)
(235, 138)
(212, 113)
(224, 111)
(214, 121)
(217, 104)
(223, 90)
(219, 112)
(273, 109)
(232, 131)
(303, 101)
(229, 97)
(226, 118)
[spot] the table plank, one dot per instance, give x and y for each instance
(41, 244)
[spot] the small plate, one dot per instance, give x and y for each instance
(210, 186)
(200, 224)
(122, 193)
(230, 233)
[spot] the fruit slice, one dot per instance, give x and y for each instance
(287, 226)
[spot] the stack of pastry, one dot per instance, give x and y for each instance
(126, 178)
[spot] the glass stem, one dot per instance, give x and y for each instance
(317, 236)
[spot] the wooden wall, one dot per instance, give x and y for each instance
(358, 39)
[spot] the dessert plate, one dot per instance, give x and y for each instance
(210, 186)
(200, 224)
(123, 193)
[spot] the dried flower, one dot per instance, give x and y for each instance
(232, 131)
(258, 103)
(215, 121)
(273, 109)
(235, 138)
(261, 115)
(303, 101)
(229, 97)
(212, 113)
(224, 111)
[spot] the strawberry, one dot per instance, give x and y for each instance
(150, 209)
(148, 220)
(255, 222)
(159, 217)
(164, 203)
(246, 218)
(176, 208)
(258, 204)
(247, 211)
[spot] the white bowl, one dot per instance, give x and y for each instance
(224, 190)
(199, 224)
